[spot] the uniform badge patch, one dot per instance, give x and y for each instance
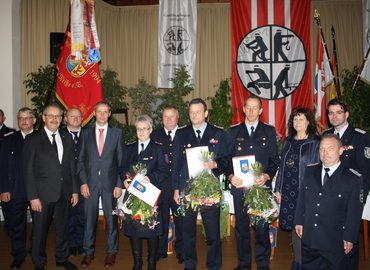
(367, 152)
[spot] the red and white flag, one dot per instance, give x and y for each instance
(79, 83)
(271, 57)
(323, 76)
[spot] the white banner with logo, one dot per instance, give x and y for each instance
(177, 39)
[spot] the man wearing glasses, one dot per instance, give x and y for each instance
(13, 194)
(356, 151)
(49, 172)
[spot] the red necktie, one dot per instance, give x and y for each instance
(101, 140)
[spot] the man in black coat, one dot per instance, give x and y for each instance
(166, 136)
(49, 171)
(200, 133)
(328, 214)
(3, 128)
(356, 151)
(252, 137)
(13, 193)
(73, 119)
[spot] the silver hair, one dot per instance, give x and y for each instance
(144, 119)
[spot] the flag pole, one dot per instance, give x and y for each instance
(362, 67)
(336, 76)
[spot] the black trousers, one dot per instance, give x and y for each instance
(169, 204)
(15, 215)
(77, 223)
(41, 222)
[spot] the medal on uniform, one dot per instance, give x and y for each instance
(290, 162)
(239, 148)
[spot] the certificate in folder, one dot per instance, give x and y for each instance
(243, 169)
(194, 159)
(147, 192)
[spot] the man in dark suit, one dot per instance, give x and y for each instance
(166, 136)
(73, 119)
(49, 171)
(99, 157)
(356, 151)
(329, 209)
(200, 133)
(252, 137)
(3, 128)
(13, 193)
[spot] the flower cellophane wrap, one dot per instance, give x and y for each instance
(202, 192)
(140, 215)
(259, 202)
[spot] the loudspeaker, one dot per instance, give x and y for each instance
(56, 40)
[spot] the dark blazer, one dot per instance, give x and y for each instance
(263, 145)
(11, 164)
(213, 137)
(309, 154)
(90, 163)
(356, 155)
(4, 130)
(45, 177)
(157, 170)
(330, 213)
(159, 135)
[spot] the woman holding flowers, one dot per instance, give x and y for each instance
(300, 149)
(147, 155)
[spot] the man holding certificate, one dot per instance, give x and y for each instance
(252, 138)
(200, 134)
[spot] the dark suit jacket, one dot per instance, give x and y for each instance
(45, 177)
(263, 145)
(4, 130)
(157, 171)
(89, 162)
(330, 213)
(11, 166)
(356, 155)
(213, 137)
(159, 135)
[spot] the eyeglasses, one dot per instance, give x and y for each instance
(338, 112)
(53, 116)
(142, 129)
(25, 118)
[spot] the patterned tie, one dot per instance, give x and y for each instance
(252, 132)
(169, 136)
(54, 143)
(75, 137)
(198, 137)
(326, 175)
(101, 141)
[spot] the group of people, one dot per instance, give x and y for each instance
(321, 183)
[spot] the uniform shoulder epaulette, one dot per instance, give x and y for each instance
(235, 125)
(312, 164)
(360, 131)
(131, 143)
(218, 127)
(9, 133)
(327, 129)
(355, 172)
(268, 124)
(181, 127)
(158, 143)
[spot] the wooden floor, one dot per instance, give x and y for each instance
(281, 261)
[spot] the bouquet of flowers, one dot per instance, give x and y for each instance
(202, 192)
(259, 202)
(138, 213)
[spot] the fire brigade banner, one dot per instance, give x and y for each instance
(177, 39)
(79, 83)
(271, 57)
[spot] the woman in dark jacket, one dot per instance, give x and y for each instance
(300, 149)
(150, 153)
